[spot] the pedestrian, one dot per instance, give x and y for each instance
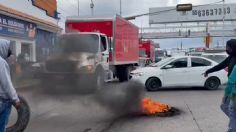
(229, 105)
(228, 97)
(229, 62)
(8, 95)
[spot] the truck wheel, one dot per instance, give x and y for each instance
(212, 83)
(23, 117)
(153, 84)
(99, 80)
(124, 74)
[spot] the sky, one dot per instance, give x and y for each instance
(130, 8)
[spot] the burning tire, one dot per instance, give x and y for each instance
(23, 117)
(156, 108)
(172, 112)
(212, 83)
(153, 84)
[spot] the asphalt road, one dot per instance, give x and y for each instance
(200, 112)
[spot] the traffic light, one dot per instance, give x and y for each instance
(184, 7)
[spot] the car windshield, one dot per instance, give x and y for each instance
(78, 43)
(216, 58)
(162, 62)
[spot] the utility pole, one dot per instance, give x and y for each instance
(120, 7)
(78, 7)
(224, 12)
(92, 6)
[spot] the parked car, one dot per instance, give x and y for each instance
(185, 71)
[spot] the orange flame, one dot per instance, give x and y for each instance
(152, 107)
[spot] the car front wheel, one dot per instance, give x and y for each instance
(153, 84)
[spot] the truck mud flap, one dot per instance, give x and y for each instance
(23, 117)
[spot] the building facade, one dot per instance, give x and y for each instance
(30, 26)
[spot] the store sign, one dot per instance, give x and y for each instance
(12, 27)
(198, 14)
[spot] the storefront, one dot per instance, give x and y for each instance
(45, 42)
(21, 35)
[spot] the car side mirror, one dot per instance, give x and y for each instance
(168, 67)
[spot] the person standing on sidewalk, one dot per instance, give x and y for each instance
(8, 95)
(228, 97)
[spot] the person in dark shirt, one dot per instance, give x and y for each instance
(228, 104)
(229, 62)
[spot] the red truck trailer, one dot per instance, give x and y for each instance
(120, 36)
(147, 47)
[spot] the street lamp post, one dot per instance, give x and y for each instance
(78, 7)
(120, 7)
(223, 34)
(92, 6)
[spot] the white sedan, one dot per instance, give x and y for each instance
(185, 71)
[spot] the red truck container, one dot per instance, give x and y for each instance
(148, 48)
(122, 36)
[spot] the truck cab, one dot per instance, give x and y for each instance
(79, 58)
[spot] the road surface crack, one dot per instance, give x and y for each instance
(195, 120)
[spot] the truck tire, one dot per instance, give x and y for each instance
(123, 73)
(99, 79)
(96, 83)
(23, 117)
